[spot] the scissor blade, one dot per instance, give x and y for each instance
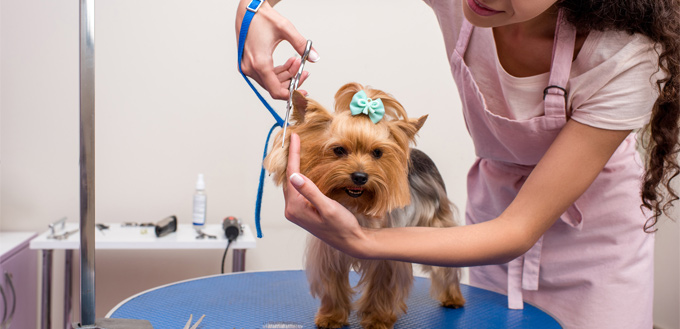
(285, 125)
(294, 82)
(189, 322)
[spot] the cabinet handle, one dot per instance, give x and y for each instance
(8, 277)
(4, 307)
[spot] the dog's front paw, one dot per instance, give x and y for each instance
(336, 320)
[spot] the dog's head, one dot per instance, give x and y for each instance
(360, 163)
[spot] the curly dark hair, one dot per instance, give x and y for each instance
(659, 20)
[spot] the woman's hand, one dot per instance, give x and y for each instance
(267, 30)
(325, 218)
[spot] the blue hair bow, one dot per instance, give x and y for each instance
(361, 104)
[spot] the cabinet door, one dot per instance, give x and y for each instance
(4, 307)
(19, 280)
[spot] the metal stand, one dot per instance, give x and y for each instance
(238, 263)
(46, 307)
(67, 287)
(87, 219)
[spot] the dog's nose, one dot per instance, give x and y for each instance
(359, 178)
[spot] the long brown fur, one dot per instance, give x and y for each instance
(403, 188)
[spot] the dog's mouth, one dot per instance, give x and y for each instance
(354, 191)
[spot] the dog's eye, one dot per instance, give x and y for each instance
(340, 151)
(377, 153)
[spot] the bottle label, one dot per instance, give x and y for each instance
(199, 209)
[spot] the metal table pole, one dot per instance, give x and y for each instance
(238, 263)
(87, 220)
(46, 298)
(68, 275)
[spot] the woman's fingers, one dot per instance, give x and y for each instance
(275, 86)
(299, 43)
(309, 191)
(284, 72)
(293, 155)
(289, 192)
(298, 208)
(287, 71)
(303, 77)
(299, 182)
(296, 181)
(266, 30)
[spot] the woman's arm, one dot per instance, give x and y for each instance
(567, 169)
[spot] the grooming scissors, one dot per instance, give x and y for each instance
(293, 87)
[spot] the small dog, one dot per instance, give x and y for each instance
(365, 163)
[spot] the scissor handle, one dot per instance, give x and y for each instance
(294, 82)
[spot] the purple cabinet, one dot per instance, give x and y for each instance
(18, 282)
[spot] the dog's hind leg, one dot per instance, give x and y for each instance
(385, 288)
(430, 206)
(445, 285)
(327, 272)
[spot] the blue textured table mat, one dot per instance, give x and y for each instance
(257, 299)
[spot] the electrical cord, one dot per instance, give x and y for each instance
(225, 255)
(232, 229)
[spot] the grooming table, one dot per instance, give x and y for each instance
(281, 299)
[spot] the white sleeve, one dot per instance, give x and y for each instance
(619, 93)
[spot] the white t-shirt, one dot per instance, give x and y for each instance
(612, 84)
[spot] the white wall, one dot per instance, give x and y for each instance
(170, 104)
(667, 274)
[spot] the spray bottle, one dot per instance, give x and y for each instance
(200, 204)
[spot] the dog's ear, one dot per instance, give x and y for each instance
(405, 131)
(304, 107)
(418, 123)
(299, 106)
(276, 162)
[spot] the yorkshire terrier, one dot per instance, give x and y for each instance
(360, 156)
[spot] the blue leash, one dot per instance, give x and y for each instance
(260, 187)
(243, 33)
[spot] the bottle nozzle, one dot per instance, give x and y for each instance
(200, 182)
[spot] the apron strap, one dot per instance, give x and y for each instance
(523, 274)
(555, 95)
(515, 300)
(464, 37)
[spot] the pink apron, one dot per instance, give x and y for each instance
(594, 267)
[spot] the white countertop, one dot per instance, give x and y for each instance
(120, 237)
(11, 240)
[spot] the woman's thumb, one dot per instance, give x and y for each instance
(307, 189)
(300, 43)
(297, 180)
